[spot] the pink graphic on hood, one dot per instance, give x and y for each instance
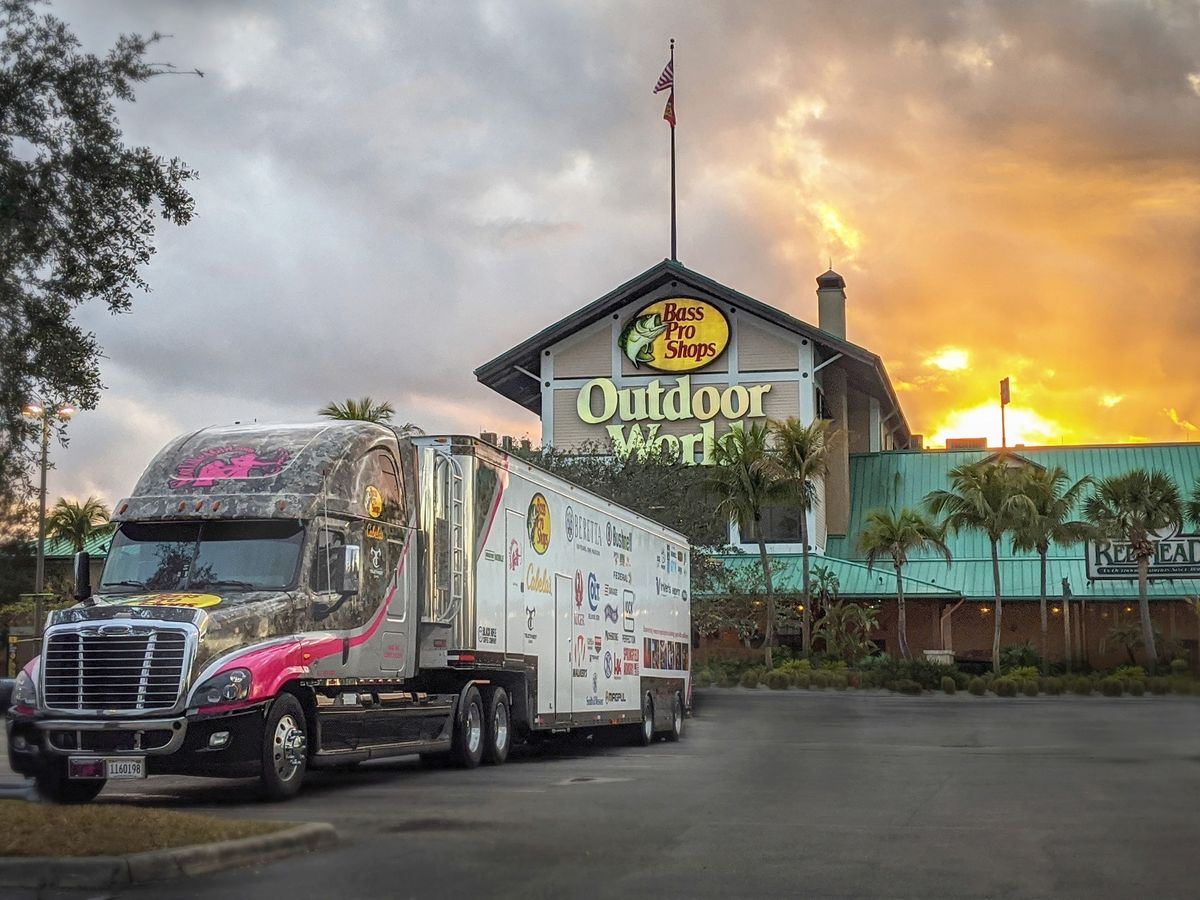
(225, 464)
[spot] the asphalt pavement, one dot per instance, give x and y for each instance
(770, 794)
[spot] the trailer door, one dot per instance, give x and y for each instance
(564, 649)
(515, 611)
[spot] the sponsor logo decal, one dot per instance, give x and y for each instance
(622, 540)
(375, 531)
(622, 576)
(373, 501)
(195, 601)
(608, 664)
(530, 612)
(493, 556)
(578, 588)
(614, 697)
(628, 604)
(376, 560)
(632, 661)
(610, 636)
(487, 635)
(580, 649)
(593, 589)
(611, 614)
(514, 555)
(538, 580)
(538, 522)
(225, 464)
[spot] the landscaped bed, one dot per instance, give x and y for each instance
(42, 829)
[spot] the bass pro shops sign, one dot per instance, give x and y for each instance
(675, 335)
(1176, 555)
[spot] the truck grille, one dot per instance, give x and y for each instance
(131, 670)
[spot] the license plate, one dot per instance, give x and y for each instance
(116, 768)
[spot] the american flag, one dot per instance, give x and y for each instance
(667, 78)
(669, 112)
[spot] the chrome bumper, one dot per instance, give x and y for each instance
(177, 727)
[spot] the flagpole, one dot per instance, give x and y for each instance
(674, 256)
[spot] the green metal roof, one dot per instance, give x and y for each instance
(854, 579)
(96, 545)
(903, 478)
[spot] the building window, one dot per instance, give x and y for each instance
(822, 407)
(780, 525)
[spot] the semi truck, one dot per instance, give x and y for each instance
(283, 598)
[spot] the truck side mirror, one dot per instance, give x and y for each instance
(83, 576)
(344, 568)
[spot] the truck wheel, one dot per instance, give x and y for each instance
(285, 749)
(676, 718)
(499, 727)
(645, 731)
(54, 786)
(468, 730)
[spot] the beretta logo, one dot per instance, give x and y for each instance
(539, 524)
(676, 335)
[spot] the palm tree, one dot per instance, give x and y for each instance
(75, 522)
(1049, 522)
(747, 484)
(897, 534)
(1130, 508)
(984, 496)
(1193, 504)
(364, 410)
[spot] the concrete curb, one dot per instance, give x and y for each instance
(162, 865)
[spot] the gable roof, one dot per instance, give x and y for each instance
(516, 372)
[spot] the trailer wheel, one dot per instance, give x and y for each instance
(676, 718)
(285, 749)
(645, 731)
(54, 786)
(469, 730)
(499, 727)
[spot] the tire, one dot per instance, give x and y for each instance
(467, 749)
(498, 727)
(54, 786)
(644, 735)
(676, 731)
(285, 749)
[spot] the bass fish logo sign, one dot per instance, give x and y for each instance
(538, 523)
(676, 335)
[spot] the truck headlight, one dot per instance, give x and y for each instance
(24, 690)
(228, 687)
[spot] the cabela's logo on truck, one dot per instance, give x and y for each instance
(538, 519)
(675, 335)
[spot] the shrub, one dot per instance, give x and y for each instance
(1029, 687)
(820, 679)
(949, 685)
(854, 679)
(838, 681)
(802, 680)
(750, 678)
(1052, 686)
(1024, 673)
(702, 679)
(796, 665)
(1112, 686)
(1160, 685)
(1137, 688)
(1179, 667)
(977, 686)
(729, 679)
(1005, 687)
(906, 686)
(1127, 673)
(834, 665)
(1081, 686)
(961, 680)
(777, 680)
(1019, 655)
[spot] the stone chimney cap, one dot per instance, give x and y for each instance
(831, 279)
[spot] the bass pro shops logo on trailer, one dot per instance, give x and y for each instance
(538, 522)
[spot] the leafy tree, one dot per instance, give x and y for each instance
(77, 213)
(76, 522)
(1052, 498)
(895, 535)
(1131, 508)
(1127, 635)
(984, 496)
(824, 586)
(746, 484)
(802, 453)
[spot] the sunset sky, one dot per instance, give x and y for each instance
(391, 194)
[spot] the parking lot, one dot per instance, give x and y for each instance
(770, 794)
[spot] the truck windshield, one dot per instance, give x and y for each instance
(227, 557)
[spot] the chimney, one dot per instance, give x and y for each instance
(831, 304)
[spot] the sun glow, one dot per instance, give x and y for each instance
(949, 359)
(1024, 426)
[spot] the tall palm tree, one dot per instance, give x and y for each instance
(802, 453)
(896, 535)
(747, 484)
(1131, 508)
(75, 522)
(984, 496)
(1049, 522)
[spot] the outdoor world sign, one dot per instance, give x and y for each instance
(1176, 555)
